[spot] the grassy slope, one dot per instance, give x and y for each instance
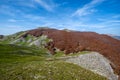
(27, 63)
(9, 38)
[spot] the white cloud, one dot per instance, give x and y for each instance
(116, 16)
(113, 21)
(9, 10)
(4, 9)
(33, 17)
(29, 3)
(88, 8)
(49, 6)
(109, 21)
(14, 20)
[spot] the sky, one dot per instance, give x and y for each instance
(101, 16)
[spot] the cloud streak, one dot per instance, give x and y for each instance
(29, 3)
(14, 20)
(88, 8)
(4, 9)
(9, 10)
(49, 6)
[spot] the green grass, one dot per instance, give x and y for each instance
(9, 38)
(61, 53)
(44, 70)
(29, 63)
(24, 50)
(77, 54)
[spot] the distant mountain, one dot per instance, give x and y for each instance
(69, 42)
(117, 37)
(114, 36)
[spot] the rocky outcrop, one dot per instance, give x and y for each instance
(95, 62)
(41, 41)
(75, 41)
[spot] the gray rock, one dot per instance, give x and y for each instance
(96, 63)
(40, 42)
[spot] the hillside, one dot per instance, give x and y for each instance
(75, 41)
(48, 43)
(26, 63)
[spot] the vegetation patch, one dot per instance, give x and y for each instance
(28, 63)
(41, 70)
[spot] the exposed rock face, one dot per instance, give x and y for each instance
(72, 42)
(96, 63)
(41, 41)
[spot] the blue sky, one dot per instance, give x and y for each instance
(101, 16)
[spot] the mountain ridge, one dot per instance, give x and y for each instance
(72, 42)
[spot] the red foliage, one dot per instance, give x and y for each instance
(75, 41)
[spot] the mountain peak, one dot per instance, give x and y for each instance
(72, 42)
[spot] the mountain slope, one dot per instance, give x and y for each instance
(74, 41)
(32, 64)
(66, 41)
